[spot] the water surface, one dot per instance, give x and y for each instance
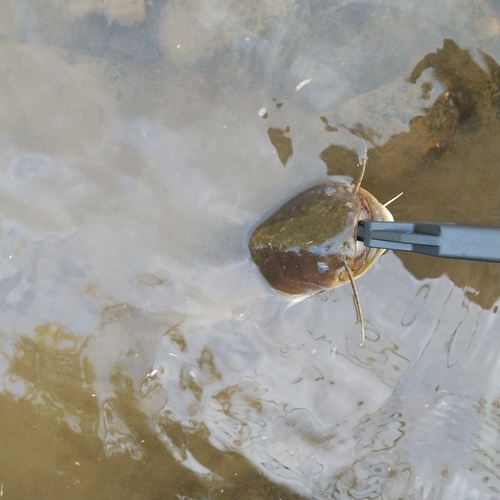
(142, 354)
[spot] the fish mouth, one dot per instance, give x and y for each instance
(371, 209)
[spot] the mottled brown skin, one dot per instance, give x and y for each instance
(301, 247)
(305, 246)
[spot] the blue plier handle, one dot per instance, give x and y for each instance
(455, 241)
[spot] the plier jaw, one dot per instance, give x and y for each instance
(439, 239)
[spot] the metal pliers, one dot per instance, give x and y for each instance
(440, 239)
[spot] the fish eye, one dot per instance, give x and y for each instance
(322, 267)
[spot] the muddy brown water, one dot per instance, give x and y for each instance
(142, 354)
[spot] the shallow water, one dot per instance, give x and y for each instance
(142, 354)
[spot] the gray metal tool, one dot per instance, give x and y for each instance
(455, 241)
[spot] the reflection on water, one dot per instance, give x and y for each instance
(142, 354)
(49, 372)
